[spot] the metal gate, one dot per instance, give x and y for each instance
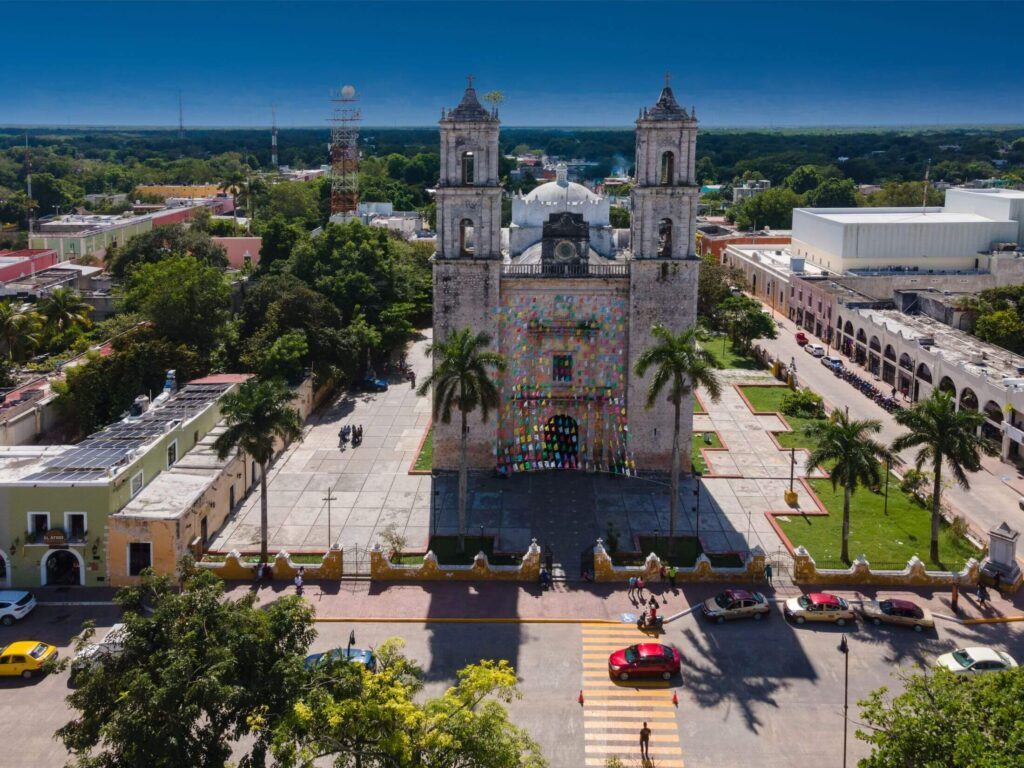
(782, 566)
(356, 563)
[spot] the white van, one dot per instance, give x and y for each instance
(815, 350)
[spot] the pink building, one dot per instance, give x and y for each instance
(241, 250)
(18, 264)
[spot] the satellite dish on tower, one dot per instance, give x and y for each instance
(348, 91)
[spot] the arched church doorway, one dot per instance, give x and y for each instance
(62, 567)
(561, 442)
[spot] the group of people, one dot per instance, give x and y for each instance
(355, 432)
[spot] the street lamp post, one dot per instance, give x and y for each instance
(844, 648)
(329, 498)
(792, 466)
(888, 469)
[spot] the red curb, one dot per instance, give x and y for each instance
(419, 449)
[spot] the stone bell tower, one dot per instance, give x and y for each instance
(664, 268)
(467, 264)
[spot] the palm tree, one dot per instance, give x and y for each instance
(943, 434)
(234, 178)
(682, 365)
(19, 330)
(461, 380)
(257, 414)
(63, 311)
(853, 459)
(253, 189)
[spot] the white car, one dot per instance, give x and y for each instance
(965, 661)
(96, 653)
(815, 350)
(15, 605)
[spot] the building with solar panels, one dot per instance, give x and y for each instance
(136, 494)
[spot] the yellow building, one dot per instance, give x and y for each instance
(165, 191)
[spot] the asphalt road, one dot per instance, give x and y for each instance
(765, 693)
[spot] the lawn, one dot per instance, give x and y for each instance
(770, 399)
(727, 356)
(446, 548)
(697, 442)
(425, 461)
(888, 540)
(696, 406)
(681, 551)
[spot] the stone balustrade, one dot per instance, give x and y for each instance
(382, 569)
(606, 571)
(234, 568)
(859, 573)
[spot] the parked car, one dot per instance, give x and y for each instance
(352, 655)
(370, 384)
(969, 661)
(25, 658)
(801, 338)
(814, 349)
(818, 606)
(15, 605)
(832, 362)
(736, 604)
(99, 652)
(901, 612)
(644, 660)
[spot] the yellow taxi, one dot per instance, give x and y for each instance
(25, 658)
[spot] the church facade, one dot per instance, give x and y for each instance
(567, 300)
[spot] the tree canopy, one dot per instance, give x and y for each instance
(152, 246)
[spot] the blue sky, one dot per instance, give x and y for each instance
(558, 63)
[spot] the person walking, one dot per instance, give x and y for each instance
(298, 580)
(672, 573)
(954, 603)
(639, 588)
(768, 572)
(631, 592)
(982, 594)
(645, 742)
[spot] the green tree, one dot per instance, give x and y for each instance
(258, 414)
(680, 365)
(618, 217)
(64, 314)
(295, 202)
(1003, 327)
(943, 435)
(715, 282)
(461, 380)
(285, 358)
(200, 675)
(279, 240)
(186, 300)
(946, 720)
(746, 320)
(804, 179)
(161, 242)
(372, 720)
(234, 178)
(834, 193)
(19, 329)
(772, 208)
(904, 194)
(845, 448)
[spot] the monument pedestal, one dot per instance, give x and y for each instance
(1001, 562)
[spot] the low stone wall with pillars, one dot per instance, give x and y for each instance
(859, 573)
(605, 570)
(382, 569)
(234, 568)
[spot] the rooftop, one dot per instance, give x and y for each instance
(777, 259)
(169, 495)
(895, 216)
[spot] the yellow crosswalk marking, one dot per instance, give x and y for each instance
(662, 762)
(654, 750)
(630, 714)
(633, 735)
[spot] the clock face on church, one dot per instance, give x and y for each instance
(565, 251)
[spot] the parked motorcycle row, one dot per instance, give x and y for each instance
(888, 402)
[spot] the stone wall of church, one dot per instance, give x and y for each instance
(564, 391)
(650, 206)
(665, 292)
(466, 295)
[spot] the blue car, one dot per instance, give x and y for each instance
(373, 385)
(353, 655)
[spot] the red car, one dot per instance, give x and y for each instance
(644, 660)
(801, 338)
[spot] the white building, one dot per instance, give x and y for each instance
(750, 188)
(959, 236)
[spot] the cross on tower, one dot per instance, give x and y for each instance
(668, 76)
(470, 79)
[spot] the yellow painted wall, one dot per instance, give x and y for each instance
(179, 190)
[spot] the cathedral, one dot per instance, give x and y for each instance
(568, 300)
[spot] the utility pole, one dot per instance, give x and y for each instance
(273, 136)
(329, 498)
(844, 648)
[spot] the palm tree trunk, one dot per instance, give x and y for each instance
(463, 482)
(844, 554)
(936, 508)
(673, 503)
(264, 521)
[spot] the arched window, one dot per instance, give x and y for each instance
(466, 244)
(968, 400)
(665, 238)
(668, 169)
(946, 385)
(468, 170)
(924, 373)
(890, 353)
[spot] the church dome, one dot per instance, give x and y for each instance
(561, 191)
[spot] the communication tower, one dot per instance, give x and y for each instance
(345, 120)
(273, 136)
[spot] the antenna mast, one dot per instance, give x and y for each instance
(924, 196)
(345, 121)
(273, 136)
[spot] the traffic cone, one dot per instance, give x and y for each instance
(580, 698)
(675, 698)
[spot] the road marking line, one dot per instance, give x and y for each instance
(600, 762)
(645, 694)
(632, 700)
(668, 738)
(654, 750)
(632, 714)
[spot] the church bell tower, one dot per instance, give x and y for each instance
(467, 262)
(663, 267)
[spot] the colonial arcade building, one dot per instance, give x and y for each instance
(567, 300)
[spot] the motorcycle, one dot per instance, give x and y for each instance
(646, 624)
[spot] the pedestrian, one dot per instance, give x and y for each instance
(631, 592)
(645, 742)
(640, 588)
(768, 573)
(663, 573)
(298, 580)
(982, 594)
(672, 573)
(955, 601)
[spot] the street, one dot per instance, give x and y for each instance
(766, 693)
